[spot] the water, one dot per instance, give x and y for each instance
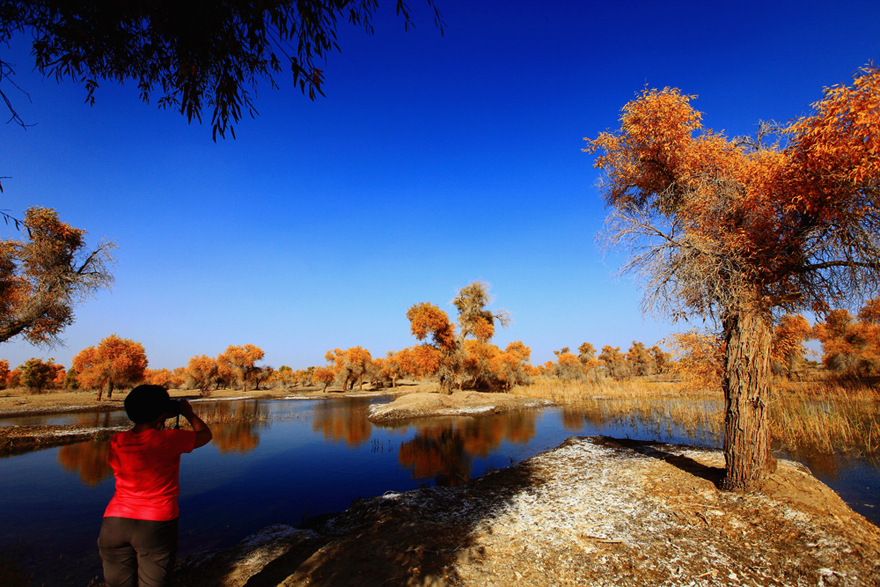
(296, 459)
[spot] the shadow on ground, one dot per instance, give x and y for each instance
(403, 539)
(659, 450)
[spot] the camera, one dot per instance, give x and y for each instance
(172, 408)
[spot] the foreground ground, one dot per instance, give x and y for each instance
(595, 511)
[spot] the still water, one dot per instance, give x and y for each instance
(293, 459)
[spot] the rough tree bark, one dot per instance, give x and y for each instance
(746, 385)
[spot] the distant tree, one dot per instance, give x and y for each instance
(239, 363)
(323, 375)
(640, 360)
(788, 350)
(285, 377)
(187, 54)
(743, 229)
(447, 349)
(851, 346)
(699, 358)
(44, 277)
(568, 367)
(661, 358)
(512, 367)
(262, 375)
(4, 372)
(615, 362)
(351, 366)
(115, 362)
(37, 375)
(586, 353)
(70, 381)
(201, 373)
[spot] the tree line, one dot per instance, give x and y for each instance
(850, 350)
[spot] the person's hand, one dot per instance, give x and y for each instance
(186, 410)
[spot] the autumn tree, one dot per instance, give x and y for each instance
(201, 373)
(615, 362)
(238, 363)
(183, 56)
(788, 350)
(37, 374)
(45, 276)
(568, 367)
(351, 366)
(851, 345)
(115, 362)
(698, 359)
(640, 360)
(446, 347)
(741, 229)
(324, 375)
(4, 372)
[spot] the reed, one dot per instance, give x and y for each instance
(823, 415)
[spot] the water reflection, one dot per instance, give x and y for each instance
(235, 425)
(443, 449)
(91, 460)
(350, 425)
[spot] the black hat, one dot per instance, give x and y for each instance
(145, 403)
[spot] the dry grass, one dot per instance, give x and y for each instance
(827, 417)
(821, 416)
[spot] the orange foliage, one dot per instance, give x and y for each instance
(324, 375)
(42, 278)
(788, 337)
(202, 371)
(427, 319)
(238, 363)
(699, 358)
(114, 362)
(851, 346)
(350, 366)
(163, 377)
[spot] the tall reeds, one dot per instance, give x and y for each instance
(817, 416)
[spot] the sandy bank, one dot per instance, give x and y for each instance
(459, 403)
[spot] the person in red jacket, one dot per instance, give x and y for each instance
(138, 539)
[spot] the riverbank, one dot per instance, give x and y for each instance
(594, 511)
(412, 402)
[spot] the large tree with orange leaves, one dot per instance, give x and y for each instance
(114, 362)
(43, 277)
(741, 230)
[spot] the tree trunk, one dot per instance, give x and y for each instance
(110, 389)
(746, 384)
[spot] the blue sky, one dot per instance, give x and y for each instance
(433, 161)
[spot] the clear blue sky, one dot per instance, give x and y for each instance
(433, 161)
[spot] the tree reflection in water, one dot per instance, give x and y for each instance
(90, 459)
(348, 424)
(443, 449)
(235, 427)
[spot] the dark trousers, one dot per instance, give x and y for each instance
(138, 553)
